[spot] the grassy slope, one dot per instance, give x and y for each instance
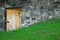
(42, 31)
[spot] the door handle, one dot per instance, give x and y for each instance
(7, 21)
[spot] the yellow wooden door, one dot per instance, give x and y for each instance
(13, 19)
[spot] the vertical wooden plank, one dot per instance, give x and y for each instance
(18, 19)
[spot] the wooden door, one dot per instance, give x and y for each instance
(13, 20)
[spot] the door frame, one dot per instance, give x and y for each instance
(5, 28)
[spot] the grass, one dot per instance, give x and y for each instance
(49, 30)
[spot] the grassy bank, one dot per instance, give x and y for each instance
(49, 30)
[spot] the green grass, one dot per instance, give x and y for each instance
(49, 30)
